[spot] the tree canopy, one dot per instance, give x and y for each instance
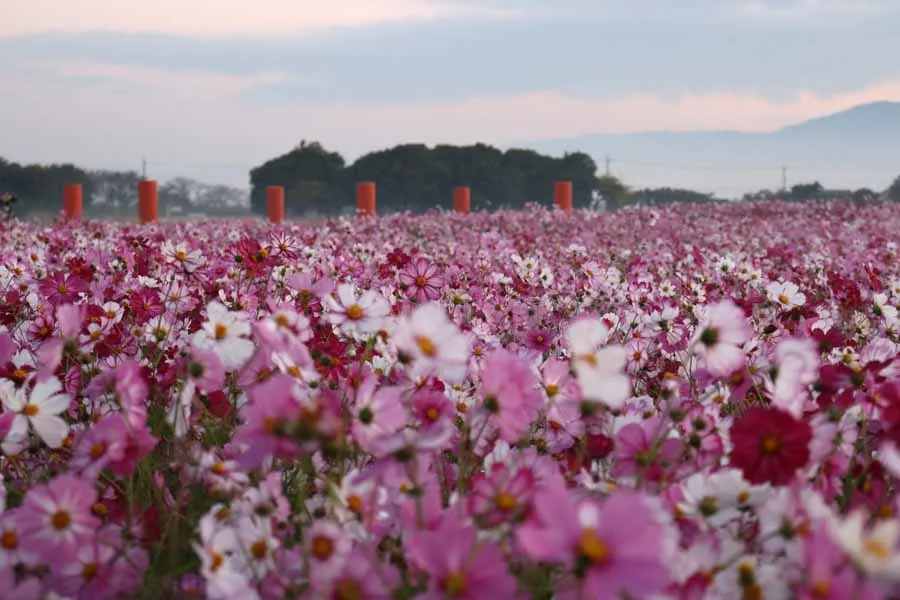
(417, 178)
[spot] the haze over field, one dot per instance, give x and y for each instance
(209, 89)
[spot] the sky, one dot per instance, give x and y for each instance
(211, 88)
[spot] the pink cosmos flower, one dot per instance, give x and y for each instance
(458, 564)
(56, 517)
(502, 495)
(379, 412)
(610, 549)
(362, 577)
(422, 281)
(205, 369)
(642, 450)
(798, 368)
(510, 393)
(828, 575)
(720, 336)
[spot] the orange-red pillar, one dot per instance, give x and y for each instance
(275, 203)
(365, 198)
(148, 201)
(562, 195)
(462, 200)
(73, 202)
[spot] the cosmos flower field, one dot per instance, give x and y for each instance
(695, 402)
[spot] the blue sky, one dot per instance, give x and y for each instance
(211, 88)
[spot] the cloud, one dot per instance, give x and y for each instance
(211, 88)
(590, 53)
(109, 116)
(215, 18)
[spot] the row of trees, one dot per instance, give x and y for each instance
(415, 177)
(410, 177)
(803, 192)
(109, 193)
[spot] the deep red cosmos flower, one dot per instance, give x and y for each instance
(769, 445)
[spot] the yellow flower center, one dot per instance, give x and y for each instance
(259, 550)
(9, 540)
(355, 312)
(220, 331)
(347, 589)
(552, 389)
(322, 547)
(98, 450)
(771, 445)
(455, 585)
(31, 410)
(426, 346)
(876, 548)
(216, 560)
(61, 520)
(505, 501)
(592, 547)
(355, 504)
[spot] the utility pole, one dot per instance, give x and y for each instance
(144, 168)
(608, 160)
(784, 178)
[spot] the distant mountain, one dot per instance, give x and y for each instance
(859, 147)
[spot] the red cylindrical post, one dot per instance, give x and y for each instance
(73, 201)
(148, 201)
(462, 200)
(365, 198)
(275, 203)
(562, 195)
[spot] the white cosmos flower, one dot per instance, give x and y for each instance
(874, 551)
(40, 410)
(433, 343)
(182, 255)
(787, 294)
(225, 332)
(356, 314)
(598, 369)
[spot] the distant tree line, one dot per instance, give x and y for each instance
(414, 177)
(111, 193)
(410, 177)
(804, 192)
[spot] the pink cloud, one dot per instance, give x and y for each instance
(212, 17)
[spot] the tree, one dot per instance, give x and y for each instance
(893, 192)
(863, 195)
(307, 162)
(417, 178)
(612, 191)
(114, 189)
(806, 191)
